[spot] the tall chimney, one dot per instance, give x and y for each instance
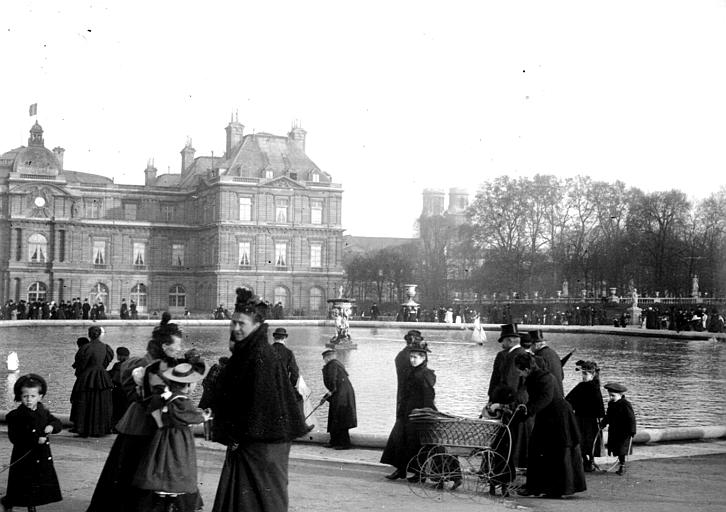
(297, 136)
(187, 155)
(235, 132)
(150, 174)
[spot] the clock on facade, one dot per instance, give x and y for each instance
(39, 202)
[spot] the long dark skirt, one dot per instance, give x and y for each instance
(521, 430)
(113, 491)
(93, 412)
(254, 477)
(590, 442)
(403, 444)
(555, 471)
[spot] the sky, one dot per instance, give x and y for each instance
(395, 96)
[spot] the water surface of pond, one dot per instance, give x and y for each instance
(673, 383)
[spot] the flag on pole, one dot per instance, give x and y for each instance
(33, 110)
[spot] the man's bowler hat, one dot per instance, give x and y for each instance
(280, 332)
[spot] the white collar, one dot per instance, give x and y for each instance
(514, 347)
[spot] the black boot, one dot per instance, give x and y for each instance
(396, 475)
(621, 470)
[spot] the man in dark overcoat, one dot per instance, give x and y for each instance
(549, 358)
(287, 357)
(340, 395)
(506, 376)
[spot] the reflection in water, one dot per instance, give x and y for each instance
(671, 382)
(10, 381)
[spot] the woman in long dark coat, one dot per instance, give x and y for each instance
(256, 415)
(93, 388)
(136, 428)
(418, 392)
(342, 412)
(586, 401)
(554, 464)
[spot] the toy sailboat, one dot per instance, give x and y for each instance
(13, 362)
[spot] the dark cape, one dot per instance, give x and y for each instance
(342, 412)
(586, 401)
(418, 392)
(551, 362)
(254, 399)
(92, 391)
(258, 416)
(621, 420)
(32, 481)
(403, 367)
(555, 463)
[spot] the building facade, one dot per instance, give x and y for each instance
(263, 215)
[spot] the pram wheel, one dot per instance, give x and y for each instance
(491, 470)
(439, 472)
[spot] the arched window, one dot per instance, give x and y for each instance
(316, 300)
(37, 292)
(99, 293)
(280, 296)
(177, 296)
(37, 248)
(138, 295)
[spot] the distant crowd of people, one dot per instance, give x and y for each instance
(697, 318)
(75, 309)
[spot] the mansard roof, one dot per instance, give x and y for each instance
(261, 152)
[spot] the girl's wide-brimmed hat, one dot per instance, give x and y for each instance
(186, 373)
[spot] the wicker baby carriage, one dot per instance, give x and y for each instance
(460, 452)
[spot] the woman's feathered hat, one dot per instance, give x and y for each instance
(586, 366)
(248, 302)
(413, 335)
(419, 346)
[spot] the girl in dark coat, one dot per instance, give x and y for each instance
(586, 401)
(555, 464)
(93, 388)
(418, 392)
(257, 415)
(32, 479)
(621, 420)
(170, 464)
(342, 412)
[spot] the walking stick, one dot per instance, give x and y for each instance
(315, 409)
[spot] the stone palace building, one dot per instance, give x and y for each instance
(263, 215)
